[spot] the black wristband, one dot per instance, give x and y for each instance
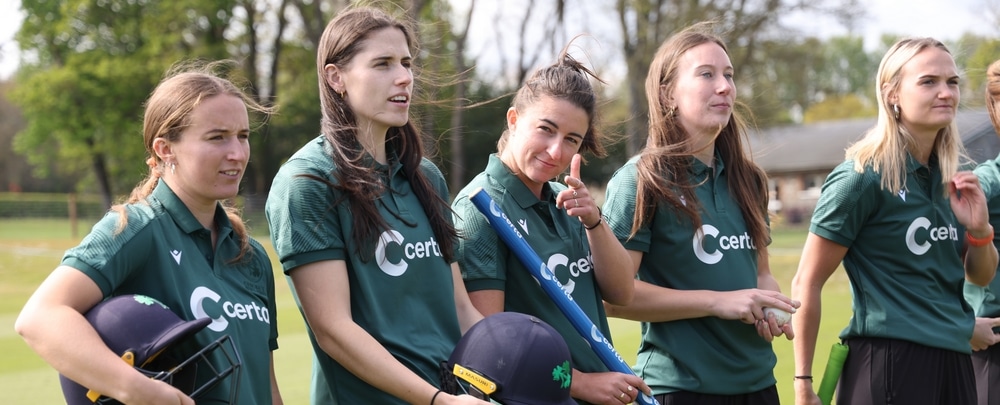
(600, 218)
(804, 377)
(435, 396)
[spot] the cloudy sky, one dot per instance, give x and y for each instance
(935, 18)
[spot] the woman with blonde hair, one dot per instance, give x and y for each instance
(909, 228)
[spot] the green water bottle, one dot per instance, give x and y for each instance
(834, 365)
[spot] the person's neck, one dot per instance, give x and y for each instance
(704, 149)
(203, 211)
(923, 143)
(374, 144)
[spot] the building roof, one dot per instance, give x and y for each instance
(820, 146)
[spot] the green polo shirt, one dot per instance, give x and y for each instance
(706, 355)
(403, 296)
(983, 299)
(903, 256)
(560, 241)
(166, 254)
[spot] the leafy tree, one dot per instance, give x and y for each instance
(83, 98)
(840, 107)
(973, 55)
(748, 26)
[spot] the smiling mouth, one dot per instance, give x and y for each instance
(399, 99)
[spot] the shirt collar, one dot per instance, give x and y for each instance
(913, 165)
(699, 168)
(182, 215)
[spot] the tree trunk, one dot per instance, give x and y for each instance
(456, 173)
(101, 175)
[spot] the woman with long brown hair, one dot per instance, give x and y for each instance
(360, 220)
(691, 209)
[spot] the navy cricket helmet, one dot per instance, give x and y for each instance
(141, 330)
(513, 359)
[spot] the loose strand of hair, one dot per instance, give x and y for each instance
(241, 231)
(139, 193)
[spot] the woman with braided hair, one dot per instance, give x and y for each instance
(175, 239)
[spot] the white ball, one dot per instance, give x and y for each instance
(781, 317)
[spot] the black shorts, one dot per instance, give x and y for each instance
(766, 396)
(890, 371)
(986, 365)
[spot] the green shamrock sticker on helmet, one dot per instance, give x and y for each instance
(563, 374)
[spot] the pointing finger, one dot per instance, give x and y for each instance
(574, 167)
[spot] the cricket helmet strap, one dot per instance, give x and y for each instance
(520, 358)
(140, 330)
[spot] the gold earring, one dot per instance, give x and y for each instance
(895, 109)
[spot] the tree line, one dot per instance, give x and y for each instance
(72, 113)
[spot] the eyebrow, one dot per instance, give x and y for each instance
(553, 124)
(390, 57)
(226, 131)
(930, 76)
(728, 67)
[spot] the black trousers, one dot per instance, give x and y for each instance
(986, 365)
(897, 372)
(766, 396)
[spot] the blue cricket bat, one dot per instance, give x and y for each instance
(583, 325)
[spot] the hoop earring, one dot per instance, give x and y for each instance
(895, 110)
(341, 93)
(672, 111)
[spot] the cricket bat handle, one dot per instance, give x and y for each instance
(529, 258)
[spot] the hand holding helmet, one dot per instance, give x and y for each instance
(142, 331)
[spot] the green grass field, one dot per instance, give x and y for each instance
(30, 249)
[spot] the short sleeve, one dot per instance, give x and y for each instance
(481, 254)
(845, 203)
(304, 222)
(619, 209)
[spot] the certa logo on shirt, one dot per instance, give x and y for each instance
(576, 268)
(391, 246)
(205, 302)
(920, 234)
(725, 242)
